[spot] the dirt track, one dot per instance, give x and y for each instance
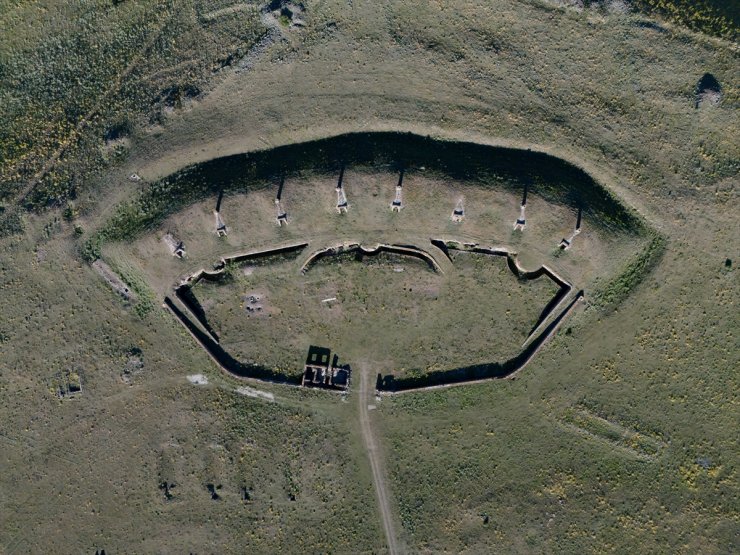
(364, 397)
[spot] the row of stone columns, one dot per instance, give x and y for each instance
(342, 206)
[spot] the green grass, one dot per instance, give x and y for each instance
(392, 309)
(618, 289)
(77, 77)
(620, 436)
(11, 222)
(164, 428)
(714, 17)
(146, 301)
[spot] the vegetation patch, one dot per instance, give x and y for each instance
(10, 222)
(143, 298)
(714, 17)
(75, 77)
(594, 426)
(616, 290)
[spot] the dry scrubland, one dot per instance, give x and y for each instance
(620, 435)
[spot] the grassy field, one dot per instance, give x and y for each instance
(79, 79)
(541, 480)
(395, 311)
(311, 205)
(714, 17)
(620, 436)
(472, 311)
(116, 442)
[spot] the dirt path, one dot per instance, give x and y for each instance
(364, 397)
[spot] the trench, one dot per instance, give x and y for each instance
(564, 288)
(361, 252)
(476, 372)
(184, 292)
(224, 359)
(209, 341)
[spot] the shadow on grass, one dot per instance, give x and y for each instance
(224, 359)
(477, 371)
(552, 178)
